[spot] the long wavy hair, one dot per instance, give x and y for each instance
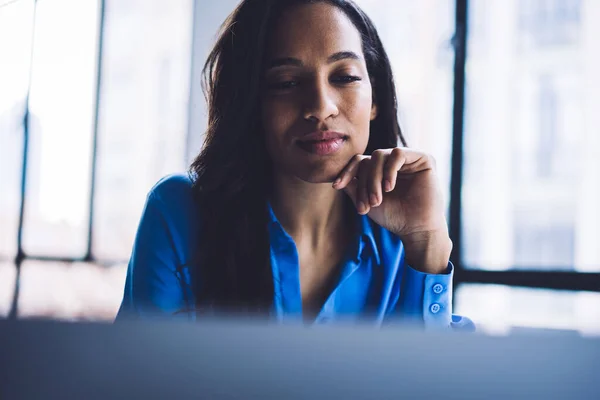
(232, 174)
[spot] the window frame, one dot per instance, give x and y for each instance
(517, 276)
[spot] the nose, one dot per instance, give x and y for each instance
(320, 102)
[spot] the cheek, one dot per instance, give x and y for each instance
(277, 117)
(359, 105)
(357, 109)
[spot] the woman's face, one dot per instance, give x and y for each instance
(317, 99)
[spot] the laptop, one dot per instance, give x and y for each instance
(241, 359)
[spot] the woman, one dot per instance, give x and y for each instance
(301, 205)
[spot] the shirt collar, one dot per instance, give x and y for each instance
(272, 218)
(365, 240)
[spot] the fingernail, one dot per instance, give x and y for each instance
(374, 200)
(361, 207)
(388, 186)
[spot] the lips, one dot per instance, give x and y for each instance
(322, 142)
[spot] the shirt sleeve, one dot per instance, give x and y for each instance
(155, 282)
(427, 299)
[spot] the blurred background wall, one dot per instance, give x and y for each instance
(103, 98)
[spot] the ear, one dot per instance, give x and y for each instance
(373, 110)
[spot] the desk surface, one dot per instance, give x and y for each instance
(231, 360)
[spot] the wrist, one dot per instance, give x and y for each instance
(428, 252)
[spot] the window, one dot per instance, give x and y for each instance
(499, 309)
(532, 173)
(549, 22)
(142, 114)
(108, 115)
(61, 123)
(16, 23)
(93, 150)
(547, 136)
(536, 244)
(531, 138)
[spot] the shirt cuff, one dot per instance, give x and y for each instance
(428, 297)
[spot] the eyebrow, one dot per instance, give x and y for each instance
(340, 55)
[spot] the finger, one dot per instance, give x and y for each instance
(414, 160)
(393, 164)
(349, 172)
(362, 190)
(378, 160)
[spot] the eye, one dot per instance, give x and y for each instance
(283, 85)
(346, 79)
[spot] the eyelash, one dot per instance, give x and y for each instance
(348, 78)
(345, 79)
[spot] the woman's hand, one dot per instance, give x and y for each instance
(398, 189)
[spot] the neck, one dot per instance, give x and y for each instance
(312, 213)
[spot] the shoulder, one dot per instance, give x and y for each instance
(172, 186)
(172, 196)
(173, 192)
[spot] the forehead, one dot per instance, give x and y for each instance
(310, 31)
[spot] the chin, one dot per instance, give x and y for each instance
(313, 168)
(322, 173)
(319, 178)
